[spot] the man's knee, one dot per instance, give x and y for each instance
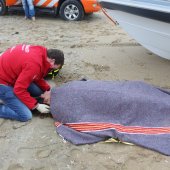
(25, 117)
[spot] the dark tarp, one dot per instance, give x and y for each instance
(91, 111)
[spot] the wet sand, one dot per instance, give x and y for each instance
(95, 49)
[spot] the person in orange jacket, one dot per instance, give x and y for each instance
(22, 71)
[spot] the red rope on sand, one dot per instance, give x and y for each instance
(104, 11)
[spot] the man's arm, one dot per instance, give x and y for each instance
(44, 86)
(26, 77)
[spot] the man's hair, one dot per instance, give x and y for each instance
(56, 54)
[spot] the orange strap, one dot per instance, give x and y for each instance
(104, 11)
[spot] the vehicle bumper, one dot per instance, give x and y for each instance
(91, 6)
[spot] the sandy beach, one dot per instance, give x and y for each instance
(96, 49)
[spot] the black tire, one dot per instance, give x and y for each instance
(3, 8)
(71, 10)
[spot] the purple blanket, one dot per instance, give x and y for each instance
(91, 111)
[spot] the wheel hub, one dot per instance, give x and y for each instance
(71, 12)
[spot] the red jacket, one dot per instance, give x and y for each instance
(20, 66)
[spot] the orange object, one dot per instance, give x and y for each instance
(88, 5)
(72, 10)
(10, 2)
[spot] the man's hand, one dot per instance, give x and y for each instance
(46, 96)
(43, 108)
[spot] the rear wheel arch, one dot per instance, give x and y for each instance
(61, 1)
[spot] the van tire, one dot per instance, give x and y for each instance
(76, 8)
(3, 8)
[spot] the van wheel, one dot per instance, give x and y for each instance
(3, 8)
(71, 10)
